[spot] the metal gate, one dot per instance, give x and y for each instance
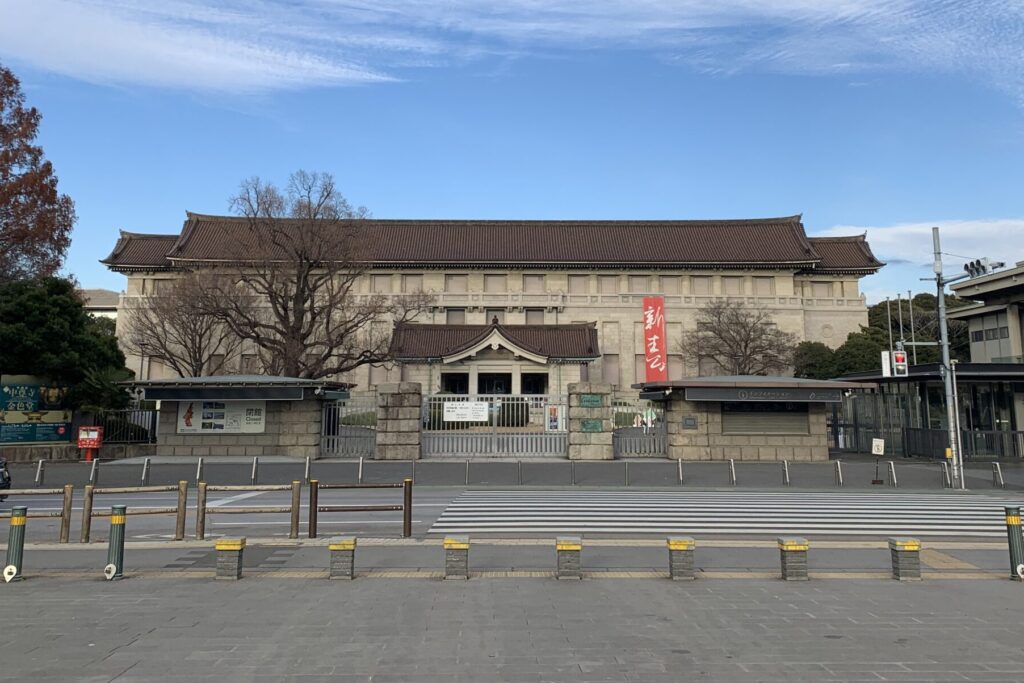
(349, 428)
(639, 428)
(489, 425)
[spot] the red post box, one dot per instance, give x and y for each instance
(90, 438)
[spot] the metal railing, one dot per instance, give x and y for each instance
(65, 512)
(349, 427)
(315, 508)
(178, 510)
(129, 426)
(495, 425)
(976, 444)
(639, 428)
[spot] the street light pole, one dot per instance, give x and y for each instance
(959, 444)
(946, 369)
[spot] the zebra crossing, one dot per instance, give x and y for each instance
(717, 512)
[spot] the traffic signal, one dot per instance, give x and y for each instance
(899, 362)
(981, 266)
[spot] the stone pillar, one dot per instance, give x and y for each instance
(793, 555)
(229, 558)
(590, 421)
(567, 549)
(343, 557)
(688, 426)
(456, 557)
(680, 558)
(906, 558)
(399, 421)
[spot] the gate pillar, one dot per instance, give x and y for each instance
(590, 421)
(399, 421)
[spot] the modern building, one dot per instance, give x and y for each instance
(520, 306)
(994, 322)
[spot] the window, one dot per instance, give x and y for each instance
(610, 368)
(764, 286)
(608, 284)
(991, 334)
(534, 284)
(215, 366)
(675, 367)
(534, 316)
(412, 283)
(978, 335)
(579, 284)
(700, 284)
(821, 290)
(455, 316)
(378, 375)
(456, 284)
(732, 286)
(670, 284)
(380, 284)
(640, 284)
(247, 364)
(1004, 332)
(639, 368)
(495, 283)
(491, 313)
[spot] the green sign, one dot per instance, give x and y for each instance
(592, 425)
(591, 401)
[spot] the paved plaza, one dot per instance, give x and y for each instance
(515, 630)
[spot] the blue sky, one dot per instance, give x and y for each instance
(885, 116)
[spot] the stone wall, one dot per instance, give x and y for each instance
(583, 443)
(399, 424)
(66, 452)
(707, 442)
(291, 428)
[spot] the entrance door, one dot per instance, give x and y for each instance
(494, 383)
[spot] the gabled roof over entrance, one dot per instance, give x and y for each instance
(411, 342)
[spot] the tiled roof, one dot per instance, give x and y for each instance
(138, 251)
(100, 298)
(845, 254)
(411, 341)
(765, 242)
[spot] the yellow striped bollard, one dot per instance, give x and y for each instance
(115, 550)
(16, 544)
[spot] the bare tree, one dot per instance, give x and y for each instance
(741, 340)
(290, 288)
(172, 327)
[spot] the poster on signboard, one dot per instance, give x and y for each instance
(33, 411)
(655, 344)
(555, 417)
(221, 417)
(465, 411)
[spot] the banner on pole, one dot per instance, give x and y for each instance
(655, 346)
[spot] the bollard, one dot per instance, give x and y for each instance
(115, 549)
(793, 555)
(891, 475)
(456, 557)
(572, 472)
(40, 473)
(906, 558)
(255, 477)
(680, 464)
(199, 471)
(86, 513)
(568, 550)
(839, 473)
(94, 472)
(343, 557)
(407, 508)
(360, 478)
(145, 472)
(947, 483)
(467, 473)
(179, 523)
(997, 476)
(519, 467)
(305, 477)
(785, 473)
(201, 511)
(732, 472)
(16, 543)
(229, 558)
(1016, 543)
(627, 472)
(293, 530)
(314, 496)
(413, 474)
(65, 513)
(680, 558)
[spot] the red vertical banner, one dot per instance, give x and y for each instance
(655, 350)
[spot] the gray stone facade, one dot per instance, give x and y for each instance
(399, 425)
(707, 442)
(291, 428)
(590, 426)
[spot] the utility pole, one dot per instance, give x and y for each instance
(946, 368)
(913, 340)
(888, 317)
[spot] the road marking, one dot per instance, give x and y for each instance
(937, 560)
(234, 499)
(321, 522)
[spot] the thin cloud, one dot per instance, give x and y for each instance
(269, 44)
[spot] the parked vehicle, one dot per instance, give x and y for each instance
(5, 477)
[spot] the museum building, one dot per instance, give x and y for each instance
(528, 307)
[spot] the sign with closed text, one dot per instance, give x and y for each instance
(655, 344)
